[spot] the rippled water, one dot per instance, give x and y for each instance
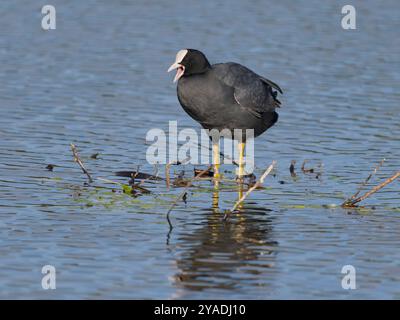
(99, 80)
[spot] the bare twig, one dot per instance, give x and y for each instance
(255, 186)
(351, 202)
(167, 178)
(80, 163)
(367, 179)
(156, 170)
(134, 175)
(303, 168)
(291, 168)
(110, 181)
(183, 193)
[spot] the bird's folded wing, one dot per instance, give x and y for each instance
(249, 89)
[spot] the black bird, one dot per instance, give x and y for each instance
(225, 96)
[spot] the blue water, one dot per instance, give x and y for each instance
(99, 80)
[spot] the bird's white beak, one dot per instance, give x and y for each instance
(179, 72)
(178, 65)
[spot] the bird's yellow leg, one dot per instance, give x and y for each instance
(216, 160)
(215, 198)
(240, 195)
(241, 146)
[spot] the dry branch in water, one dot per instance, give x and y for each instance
(80, 163)
(255, 186)
(167, 178)
(349, 203)
(303, 168)
(291, 169)
(367, 179)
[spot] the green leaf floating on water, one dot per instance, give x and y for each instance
(127, 189)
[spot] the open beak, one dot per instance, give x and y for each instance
(179, 72)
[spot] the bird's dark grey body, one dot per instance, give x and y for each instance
(229, 96)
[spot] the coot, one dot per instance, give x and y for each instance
(225, 96)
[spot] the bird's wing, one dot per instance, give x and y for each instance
(251, 91)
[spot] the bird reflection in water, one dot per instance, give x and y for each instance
(221, 254)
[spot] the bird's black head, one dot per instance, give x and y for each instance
(188, 62)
